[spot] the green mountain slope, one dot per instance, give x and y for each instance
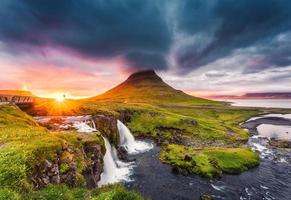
(148, 87)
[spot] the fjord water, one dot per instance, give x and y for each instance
(268, 103)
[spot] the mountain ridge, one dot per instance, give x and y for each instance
(147, 87)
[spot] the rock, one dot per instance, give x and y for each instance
(280, 143)
(122, 153)
(47, 172)
(107, 125)
(93, 172)
(206, 197)
(191, 122)
(176, 170)
(187, 158)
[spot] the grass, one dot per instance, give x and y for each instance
(24, 145)
(209, 161)
(204, 124)
(63, 192)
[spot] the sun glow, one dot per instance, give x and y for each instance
(60, 98)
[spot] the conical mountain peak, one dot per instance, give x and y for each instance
(146, 87)
(145, 74)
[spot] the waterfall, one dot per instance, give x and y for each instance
(94, 125)
(129, 143)
(114, 170)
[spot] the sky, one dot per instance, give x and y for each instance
(204, 47)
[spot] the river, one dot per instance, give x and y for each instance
(270, 180)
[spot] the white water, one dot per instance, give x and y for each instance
(275, 131)
(83, 127)
(266, 132)
(129, 143)
(83, 124)
(114, 170)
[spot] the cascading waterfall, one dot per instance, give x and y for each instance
(129, 143)
(94, 125)
(114, 170)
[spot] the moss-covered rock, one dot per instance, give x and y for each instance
(208, 161)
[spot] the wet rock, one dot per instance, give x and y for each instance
(187, 158)
(176, 170)
(280, 143)
(122, 153)
(206, 197)
(107, 125)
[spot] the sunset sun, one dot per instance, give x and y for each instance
(60, 98)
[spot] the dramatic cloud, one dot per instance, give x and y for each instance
(231, 25)
(211, 39)
(93, 28)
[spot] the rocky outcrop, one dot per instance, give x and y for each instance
(45, 173)
(107, 125)
(72, 166)
(93, 171)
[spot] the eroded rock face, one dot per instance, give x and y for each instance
(45, 173)
(107, 125)
(64, 168)
(93, 171)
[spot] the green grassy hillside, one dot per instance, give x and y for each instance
(148, 87)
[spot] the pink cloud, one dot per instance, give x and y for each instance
(59, 71)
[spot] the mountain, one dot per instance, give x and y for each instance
(269, 95)
(148, 87)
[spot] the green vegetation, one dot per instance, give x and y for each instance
(63, 192)
(148, 87)
(25, 146)
(209, 161)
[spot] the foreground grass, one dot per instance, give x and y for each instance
(24, 145)
(63, 192)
